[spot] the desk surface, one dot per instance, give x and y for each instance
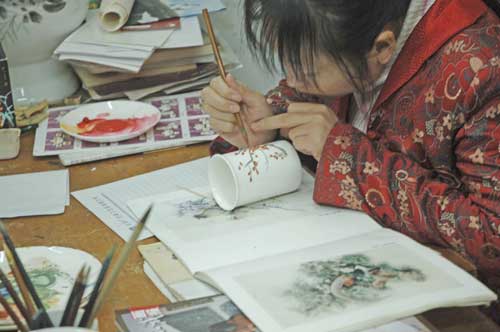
(79, 228)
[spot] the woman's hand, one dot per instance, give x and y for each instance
(222, 100)
(307, 125)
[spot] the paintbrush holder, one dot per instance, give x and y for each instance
(56, 316)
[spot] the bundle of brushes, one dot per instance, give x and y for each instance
(32, 314)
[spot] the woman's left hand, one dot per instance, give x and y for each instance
(307, 125)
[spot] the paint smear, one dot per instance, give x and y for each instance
(101, 126)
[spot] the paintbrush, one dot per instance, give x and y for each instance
(222, 71)
(125, 252)
(17, 300)
(13, 314)
(97, 287)
(24, 276)
(30, 308)
(74, 297)
(78, 298)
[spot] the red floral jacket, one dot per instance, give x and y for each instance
(429, 165)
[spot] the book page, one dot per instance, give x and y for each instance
(107, 202)
(203, 236)
(347, 285)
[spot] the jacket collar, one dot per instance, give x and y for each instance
(445, 19)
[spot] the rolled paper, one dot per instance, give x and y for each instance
(115, 13)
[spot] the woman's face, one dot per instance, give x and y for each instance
(331, 80)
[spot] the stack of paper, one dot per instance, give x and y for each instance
(31, 194)
(152, 52)
(170, 276)
(182, 122)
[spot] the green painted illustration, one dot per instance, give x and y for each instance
(335, 284)
(51, 283)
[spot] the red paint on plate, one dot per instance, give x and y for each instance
(104, 127)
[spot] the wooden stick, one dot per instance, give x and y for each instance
(125, 252)
(17, 300)
(13, 315)
(19, 281)
(24, 276)
(93, 296)
(222, 71)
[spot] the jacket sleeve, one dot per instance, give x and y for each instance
(462, 212)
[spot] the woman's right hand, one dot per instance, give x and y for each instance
(222, 100)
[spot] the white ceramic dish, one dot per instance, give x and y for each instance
(110, 121)
(52, 271)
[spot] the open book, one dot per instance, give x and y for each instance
(291, 265)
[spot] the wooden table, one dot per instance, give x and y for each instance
(79, 228)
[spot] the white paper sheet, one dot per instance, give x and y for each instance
(188, 35)
(43, 193)
(91, 32)
(200, 233)
(107, 202)
(148, 270)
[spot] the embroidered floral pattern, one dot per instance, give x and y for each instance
(340, 166)
(477, 157)
(343, 141)
(370, 168)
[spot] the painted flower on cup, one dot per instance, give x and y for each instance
(259, 158)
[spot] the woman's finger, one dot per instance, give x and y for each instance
(212, 98)
(218, 114)
(224, 90)
(286, 120)
(222, 126)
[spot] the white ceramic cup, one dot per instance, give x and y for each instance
(247, 176)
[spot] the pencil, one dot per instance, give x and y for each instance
(13, 314)
(30, 308)
(97, 287)
(222, 71)
(125, 252)
(24, 276)
(17, 300)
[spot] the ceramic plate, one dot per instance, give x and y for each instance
(53, 271)
(110, 121)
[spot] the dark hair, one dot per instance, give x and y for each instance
(297, 30)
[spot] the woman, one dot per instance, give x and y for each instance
(398, 101)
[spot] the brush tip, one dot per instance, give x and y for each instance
(146, 215)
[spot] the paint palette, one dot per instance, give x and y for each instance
(110, 121)
(52, 271)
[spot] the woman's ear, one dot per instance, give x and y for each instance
(384, 47)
